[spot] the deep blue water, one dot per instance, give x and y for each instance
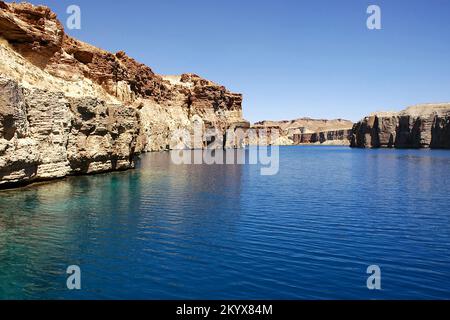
(164, 231)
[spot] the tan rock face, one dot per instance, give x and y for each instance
(330, 137)
(102, 137)
(67, 107)
(46, 135)
(422, 126)
(306, 131)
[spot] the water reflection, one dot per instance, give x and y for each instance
(96, 219)
(224, 231)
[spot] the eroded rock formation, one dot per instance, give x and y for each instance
(304, 131)
(421, 126)
(330, 137)
(67, 107)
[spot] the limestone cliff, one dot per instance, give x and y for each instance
(67, 107)
(421, 126)
(305, 131)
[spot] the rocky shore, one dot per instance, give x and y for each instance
(421, 126)
(67, 107)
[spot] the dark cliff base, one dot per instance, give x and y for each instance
(41, 181)
(426, 126)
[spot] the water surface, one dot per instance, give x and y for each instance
(164, 231)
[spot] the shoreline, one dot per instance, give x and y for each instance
(28, 185)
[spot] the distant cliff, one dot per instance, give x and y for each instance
(306, 131)
(67, 107)
(421, 126)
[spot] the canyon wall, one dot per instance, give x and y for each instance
(329, 137)
(67, 107)
(303, 131)
(421, 126)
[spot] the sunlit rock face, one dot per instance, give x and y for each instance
(46, 135)
(67, 107)
(421, 126)
(328, 137)
(302, 131)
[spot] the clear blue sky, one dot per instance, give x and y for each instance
(289, 58)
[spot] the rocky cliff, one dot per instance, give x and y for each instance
(421, 126)
(328, 137)
(305, 131)
(67, 107)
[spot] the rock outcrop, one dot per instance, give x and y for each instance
(304, 131)
(421, 126)
(67, 107)
(47, 135)
(329, 137)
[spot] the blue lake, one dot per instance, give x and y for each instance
(165, 231)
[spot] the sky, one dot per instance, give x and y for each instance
(289, 59)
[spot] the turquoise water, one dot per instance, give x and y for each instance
(164, 231)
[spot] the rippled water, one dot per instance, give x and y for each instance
(209, 232)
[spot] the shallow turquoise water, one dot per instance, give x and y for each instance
(164, 231)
